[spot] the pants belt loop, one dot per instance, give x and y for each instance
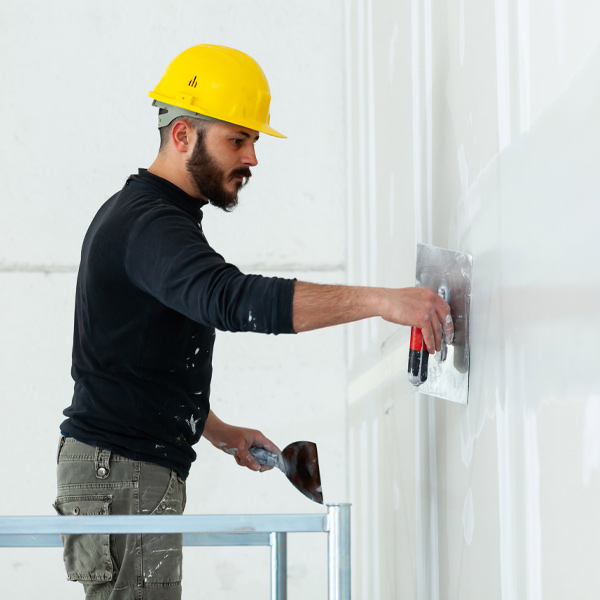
(102, 463)
(61, 443)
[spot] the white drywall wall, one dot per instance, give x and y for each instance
(475, 126)
(78, 121)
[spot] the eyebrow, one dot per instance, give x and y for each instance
(245, 134)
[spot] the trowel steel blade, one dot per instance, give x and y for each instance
(441, 269)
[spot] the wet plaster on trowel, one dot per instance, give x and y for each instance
(444, 371)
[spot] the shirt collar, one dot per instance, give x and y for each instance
(173, 193)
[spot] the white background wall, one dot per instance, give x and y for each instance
(77, 121)
(475, 126)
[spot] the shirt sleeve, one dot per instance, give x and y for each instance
(169, 258)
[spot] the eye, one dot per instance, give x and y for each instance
(237, 141)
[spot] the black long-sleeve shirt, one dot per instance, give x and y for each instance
(150, 293)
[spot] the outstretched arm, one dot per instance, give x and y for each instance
(236, 441)
(316, 306)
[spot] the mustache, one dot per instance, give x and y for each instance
(241, 172)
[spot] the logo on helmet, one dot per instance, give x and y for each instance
(193, 83)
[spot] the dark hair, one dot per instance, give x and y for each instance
(200, 125)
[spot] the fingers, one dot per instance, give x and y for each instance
(245, 459)
(432, 335)
(444, 324)
(263, 442)
(428, 337)
(249, 438)
(438, 324)
(448, 326)
(238, 447)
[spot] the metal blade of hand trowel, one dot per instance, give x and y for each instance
(300, 463)
(448, 273)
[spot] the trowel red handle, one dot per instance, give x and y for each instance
(418, 357)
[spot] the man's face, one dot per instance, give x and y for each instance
(220, 162)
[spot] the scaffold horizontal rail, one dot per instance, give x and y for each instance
(204, 530)
(16, 525)
(53, 540)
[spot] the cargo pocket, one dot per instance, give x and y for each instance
(162, 553)
(87, 557)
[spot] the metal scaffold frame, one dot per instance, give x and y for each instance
(207, 530)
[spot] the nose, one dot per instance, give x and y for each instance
(249, 157)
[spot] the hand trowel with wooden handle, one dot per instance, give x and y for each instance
(300, 463)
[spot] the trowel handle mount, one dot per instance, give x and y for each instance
(264, 457)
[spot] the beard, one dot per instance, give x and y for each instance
(210, 178)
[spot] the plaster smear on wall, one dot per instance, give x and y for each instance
(468, 517)
(559, 17)
(487, 199)
(591, 439)
(502, 74)
(392, 52)
(462, 33)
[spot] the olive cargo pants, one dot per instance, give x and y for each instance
(93, 481)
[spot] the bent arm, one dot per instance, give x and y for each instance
(316, 306)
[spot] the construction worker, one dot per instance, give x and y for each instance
(150, 293)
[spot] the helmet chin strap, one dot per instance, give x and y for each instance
(174, 111)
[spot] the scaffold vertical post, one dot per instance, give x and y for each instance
(339, 558)
(278, 565)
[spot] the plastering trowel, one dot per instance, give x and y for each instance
(446, 374)
(300, 463)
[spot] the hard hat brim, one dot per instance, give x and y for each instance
(257, 126)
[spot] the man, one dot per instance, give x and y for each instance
(150, 293)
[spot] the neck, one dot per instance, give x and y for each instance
(176, 173)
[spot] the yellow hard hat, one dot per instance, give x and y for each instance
(220, 83)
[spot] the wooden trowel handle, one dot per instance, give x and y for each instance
(264, 457)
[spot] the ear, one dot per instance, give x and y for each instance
(182, 136)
